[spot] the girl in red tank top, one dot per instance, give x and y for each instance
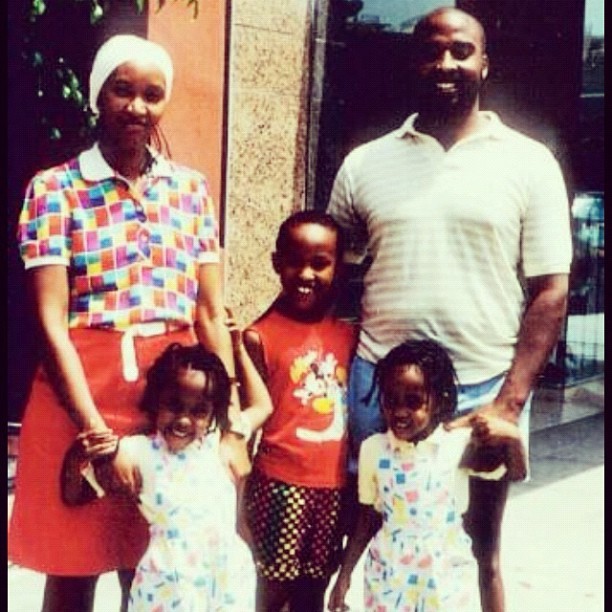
(293, 497)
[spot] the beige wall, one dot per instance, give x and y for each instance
(268, 106)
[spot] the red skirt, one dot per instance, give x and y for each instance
(108, 533)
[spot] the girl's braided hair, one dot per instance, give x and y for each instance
(438, 374)
(163, 375)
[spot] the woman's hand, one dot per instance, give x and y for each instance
(97, 444)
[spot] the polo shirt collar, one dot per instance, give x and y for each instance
(493, 130)
(95, 168)
(433, 440)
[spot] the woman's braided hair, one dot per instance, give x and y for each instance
(163, 375)
(438, 374)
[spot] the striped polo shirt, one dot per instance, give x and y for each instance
(452, 235)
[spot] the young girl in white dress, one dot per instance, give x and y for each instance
(195, 560)
(413, 482)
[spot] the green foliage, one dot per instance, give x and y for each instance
(60, 100)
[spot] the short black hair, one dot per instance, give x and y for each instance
(438, 371)
(163, 375)
(303, 217)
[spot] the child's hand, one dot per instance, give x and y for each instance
(496, 441)
(96, 444)
(338, 594)
(488, 430)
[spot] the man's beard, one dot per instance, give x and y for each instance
(452, 105)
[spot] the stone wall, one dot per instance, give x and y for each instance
(266, 155)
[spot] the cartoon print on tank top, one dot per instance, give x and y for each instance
(321, 387)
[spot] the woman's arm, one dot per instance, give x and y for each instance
(368, 523)
(213, 334)
(210, 323)
(50, 291)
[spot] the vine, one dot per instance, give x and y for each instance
(58, 87)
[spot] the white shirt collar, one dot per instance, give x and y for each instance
(434, 439)
(493, 130)
(95, 168)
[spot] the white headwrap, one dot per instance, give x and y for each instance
(124, 48)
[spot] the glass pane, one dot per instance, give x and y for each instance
(593, 49)
(393, 15)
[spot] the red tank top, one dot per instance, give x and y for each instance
(304, 441)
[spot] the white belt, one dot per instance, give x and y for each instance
(142, 330)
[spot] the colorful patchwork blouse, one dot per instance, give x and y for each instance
(132, 256)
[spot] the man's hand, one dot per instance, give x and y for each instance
(496, 409)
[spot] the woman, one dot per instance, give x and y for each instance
(121, 250)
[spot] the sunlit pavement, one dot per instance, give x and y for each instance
(553, 534)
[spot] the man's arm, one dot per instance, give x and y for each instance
(539, 331)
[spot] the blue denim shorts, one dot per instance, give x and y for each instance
(365, 418)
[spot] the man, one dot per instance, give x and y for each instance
(467, 224)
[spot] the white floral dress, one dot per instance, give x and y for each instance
(421, 559)
(195, 561)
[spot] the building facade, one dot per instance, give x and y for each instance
(271, 94)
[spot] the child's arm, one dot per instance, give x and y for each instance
(242, 526)
(495, 442)
(368, 523)
(89, 446)
(257, 403)
(254, 396)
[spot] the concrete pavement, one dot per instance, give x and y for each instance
(552, 548)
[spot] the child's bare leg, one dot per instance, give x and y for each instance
(483, 523)
(272, 595)
(69, 593)
(349, 509)
(125, 582)
(307, 595)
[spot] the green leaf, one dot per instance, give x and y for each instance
(38, 8)
(37, 58)
(55, 134)
(97, 12)
(66, 91)
(139, 5)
